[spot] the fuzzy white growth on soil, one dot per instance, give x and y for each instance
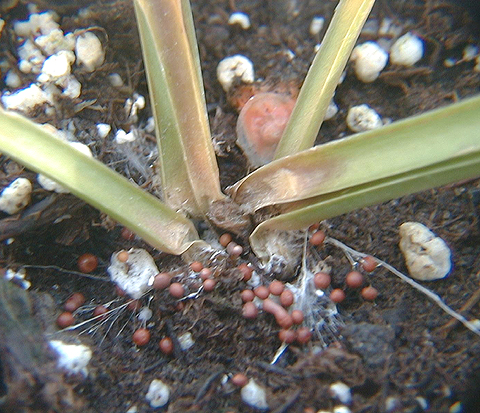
(241, 19)
(407, 50)
(341, 409)
(72, 357)
(341, 392)
(16, 196)
(115, 80)
(136, 275)
(233, 67)
(89, 51)
(370, 59)
(122, 137)
(363, 118)
(51, 185)
(145, 314)
(158, 394)
(427, 256)
(316, 25)
(254, 395)
(186, 341)
(26, 99)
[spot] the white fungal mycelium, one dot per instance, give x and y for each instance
(363, 118)
(369, 60)
(103, 129)
(89, 51)
(136, 275)
(16, 196)
(158, 394)
(186, 341)
(407, 50)
(233, 67)
(254, 395)
(427, 256)
(241, 19)
(73, 358)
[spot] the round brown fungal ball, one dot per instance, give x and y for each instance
(354, 279)
(287, 298)
(246, 271)
(205, 273)
(196, 266)
(239, 380)
(368, 263)
(281, 315)
(87, 263)
(287, 336)
(304, 335)
(75, 301)
(176, 290)
(317, 238)
(122, 256)
(369, 293)
(126, 234)
(100, 310)
(65, 319)
(247, 295)
(261, 292)
(297, 316)
(141, 337)
(249, 310)
(276, 287)
(225, 239)
(337, 295)
(322, 280)
(166, 345)
(209, 285)
(234, 250)
(162, 280)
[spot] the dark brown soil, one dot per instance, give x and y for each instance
(394, 348)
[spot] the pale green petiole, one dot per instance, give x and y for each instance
(31, 145)
(323, 76)
(189, 170)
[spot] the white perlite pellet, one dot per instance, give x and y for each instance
(254, 395)
(427, 256)
(233, 67)
(407, 50)
(158, 394)
(16, 196)
(89, 51)
(73, 358)
(136, 275)
(363, 118)
(369, 60)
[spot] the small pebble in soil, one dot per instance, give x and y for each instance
(341, 392)
(87, 263)
(233, 67)
(316, 25)
(141, 337)
(369, 60)
(16, 196)
(254, 395)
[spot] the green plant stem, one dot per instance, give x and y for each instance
(189, 171)
(323, 76)
(32, 146)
